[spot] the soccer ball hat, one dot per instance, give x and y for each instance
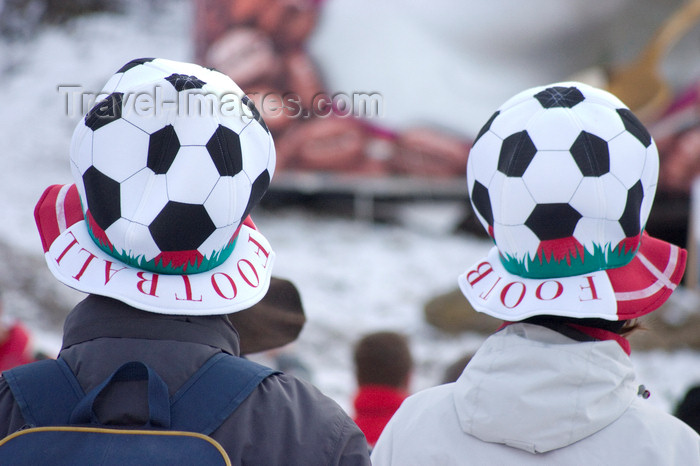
(563, 177)
(167, 166)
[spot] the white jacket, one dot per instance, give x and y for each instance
(533, 396)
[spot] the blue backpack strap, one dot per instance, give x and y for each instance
(214, 392)
(46, 391)
(158, 399)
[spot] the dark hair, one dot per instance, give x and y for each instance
(560, 324)
(383, 358)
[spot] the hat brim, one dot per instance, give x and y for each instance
(623, 293)
(75, 260)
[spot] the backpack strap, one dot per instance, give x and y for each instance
(157, 393)
(214, 392)
(45, 391)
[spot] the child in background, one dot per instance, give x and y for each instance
(383, 367)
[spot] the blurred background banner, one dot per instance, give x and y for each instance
(409, 83)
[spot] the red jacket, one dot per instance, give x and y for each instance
(374, 406)
(15, 350)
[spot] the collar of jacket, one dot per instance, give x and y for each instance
(583, 333)
(102, 317)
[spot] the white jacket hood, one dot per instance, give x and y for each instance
(545, 392)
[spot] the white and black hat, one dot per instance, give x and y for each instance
(563, 178)
(167, 166)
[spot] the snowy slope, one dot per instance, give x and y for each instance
(354, 277)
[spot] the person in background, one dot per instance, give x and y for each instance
(454, 370)
(15, 342)
(268, 330)
(688, 410)
(562, 177)
(383, 367)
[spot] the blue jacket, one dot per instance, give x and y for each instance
(285, 421)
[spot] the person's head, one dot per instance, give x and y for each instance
(563, 177)
(383, 358)
(688, 410)
(274, 321)
(167, 165)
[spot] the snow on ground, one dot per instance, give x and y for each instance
(354, 277)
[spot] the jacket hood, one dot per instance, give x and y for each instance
(534, 389)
